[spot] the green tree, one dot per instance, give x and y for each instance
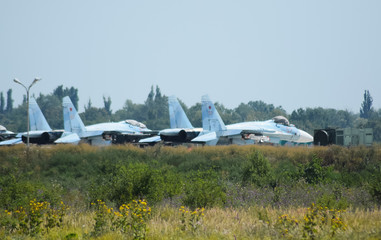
(93, 115)
(9, 101)
(2, 102)
(59, 92)
(366, 107)
(245, 112)
(315, 118)
(150, 97)
(131, 110)
(107, 104)
(374, 122)
(228, 116)
(194, 115)
(156, 107)
(72, 92)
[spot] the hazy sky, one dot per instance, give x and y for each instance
(289, 53)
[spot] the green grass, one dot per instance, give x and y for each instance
(242, 201)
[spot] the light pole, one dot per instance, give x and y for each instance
(27, 106)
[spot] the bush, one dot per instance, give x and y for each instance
(313, 172)
(257, 170)
(332, 202)
(204, 189)
(16, 191)
(135, 181)
(375, 185)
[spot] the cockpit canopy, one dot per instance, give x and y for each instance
(281, 120)
(135, 123)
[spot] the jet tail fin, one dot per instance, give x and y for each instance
(37, 120)
(72, 120)
(177, 116)
(211, 120)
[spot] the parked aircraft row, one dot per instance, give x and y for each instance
(276, 131)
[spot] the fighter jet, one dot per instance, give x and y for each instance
(277, 130)
(181, 130)
(40, 131)
(101, 133)
(5, 134)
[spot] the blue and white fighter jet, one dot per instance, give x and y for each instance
(181, 130)
(5, 134)
(277, 130)
(101, 133)
(40, 131)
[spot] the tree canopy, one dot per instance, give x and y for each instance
(366, 107)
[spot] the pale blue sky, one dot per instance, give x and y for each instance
(289, 53)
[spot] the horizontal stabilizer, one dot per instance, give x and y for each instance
(11, 142)
(72, 138)
(150, 139)
(208, 139)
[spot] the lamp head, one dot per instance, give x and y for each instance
(16, 81)
(34, 81)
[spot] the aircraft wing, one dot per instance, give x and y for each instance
(72, 138)
(232, 132)
(153, 139)
(90, 134)
(207, 138)
(150, 132)
(240, 129)
(11, 142)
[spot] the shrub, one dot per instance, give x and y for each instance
(257, 170)
(313, 172)
(204, 189)
(375, 185)
(332, 202)
(16, 190)
(135, 180)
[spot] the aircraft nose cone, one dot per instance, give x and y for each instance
(305, 137)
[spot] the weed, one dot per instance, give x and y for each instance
(191, 220)
(33, 219)
(130, 219)
(287, 226)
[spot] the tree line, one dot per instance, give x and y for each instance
(154, 112)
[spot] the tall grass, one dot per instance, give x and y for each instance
(220, 223)
(244, 188)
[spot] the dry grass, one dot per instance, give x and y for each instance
(218, 223)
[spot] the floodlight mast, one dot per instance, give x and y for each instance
(27, 106)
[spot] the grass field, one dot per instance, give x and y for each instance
(222, 223)
(223, 192)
